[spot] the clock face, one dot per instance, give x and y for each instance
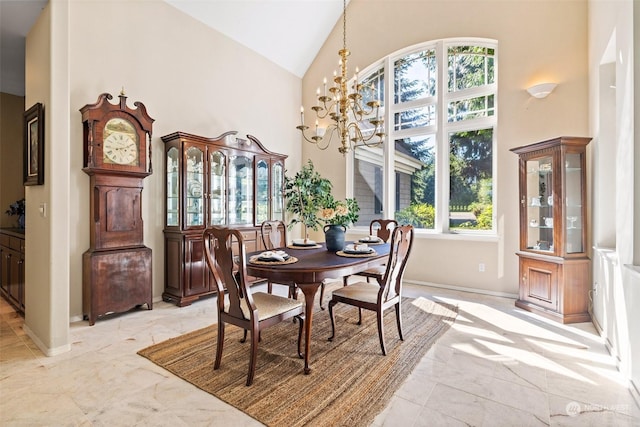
(120, 143)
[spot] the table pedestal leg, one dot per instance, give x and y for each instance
(309, 291)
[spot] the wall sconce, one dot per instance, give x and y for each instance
(541, 90)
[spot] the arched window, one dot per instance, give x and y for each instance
(436, 168)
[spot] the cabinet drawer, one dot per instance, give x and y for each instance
(249, 235)
(15, 243)
(4, 240)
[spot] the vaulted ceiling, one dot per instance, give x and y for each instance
(287, 32)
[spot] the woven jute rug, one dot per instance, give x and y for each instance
(350, 383)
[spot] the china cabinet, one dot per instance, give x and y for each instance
(554, 266)
(211, 181)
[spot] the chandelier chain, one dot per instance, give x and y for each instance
(348, 113)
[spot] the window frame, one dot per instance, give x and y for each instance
(442, 129)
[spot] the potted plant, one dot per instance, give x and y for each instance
(17, 208)
(309, 200)
(338, 215)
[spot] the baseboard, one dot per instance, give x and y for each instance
(463, 289)
(635, 392)
(46, 350)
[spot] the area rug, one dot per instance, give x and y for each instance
(350, 382)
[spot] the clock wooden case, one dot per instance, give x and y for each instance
(117, 157)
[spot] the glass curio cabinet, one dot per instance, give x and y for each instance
(225, 180)
(554, 266)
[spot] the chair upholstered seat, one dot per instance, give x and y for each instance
(374, 272)
(268, 305)
(360, 291)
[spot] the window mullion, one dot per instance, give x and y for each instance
(442, 145)
(388, 173)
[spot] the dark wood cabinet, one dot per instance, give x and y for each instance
(554, 266)
(12, 267)
(223, 180)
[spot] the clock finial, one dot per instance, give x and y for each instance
(122, 91)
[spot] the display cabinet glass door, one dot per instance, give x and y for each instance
(539, 204)
(574, 210)
(240, 190)
(262, 191)
(217, 188)
(194, 161)
(277, 200)
(173, 197)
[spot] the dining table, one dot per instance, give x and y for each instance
(314, 265)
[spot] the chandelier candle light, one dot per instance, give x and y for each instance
(352, 120)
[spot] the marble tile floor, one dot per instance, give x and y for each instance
(496, 366)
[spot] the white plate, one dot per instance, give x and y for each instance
(302, 242)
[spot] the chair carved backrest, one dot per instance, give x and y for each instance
(227, 272)
(382, 228)
(272, 232)
(401, 244)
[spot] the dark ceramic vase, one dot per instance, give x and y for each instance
(334, 237)
(21, 221)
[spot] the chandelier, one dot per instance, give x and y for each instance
(352, 119)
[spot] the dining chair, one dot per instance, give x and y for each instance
(274, 236)
(383, 229)
(386, 293)
(241, 307)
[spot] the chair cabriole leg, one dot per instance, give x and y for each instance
(380, 318)
(399, 320)
(216, 365)
(300, 329)
(253, 357)
(333, 320)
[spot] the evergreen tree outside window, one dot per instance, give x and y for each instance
(441, 127)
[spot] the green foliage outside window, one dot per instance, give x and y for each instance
(420, 215)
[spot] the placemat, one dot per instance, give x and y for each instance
(303, 247)
(344, 254)
(256, 260)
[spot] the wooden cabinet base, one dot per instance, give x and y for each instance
(115, 281)
(554, 287)
(553, 315)
(187, 277)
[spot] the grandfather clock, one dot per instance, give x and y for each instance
(116, 270)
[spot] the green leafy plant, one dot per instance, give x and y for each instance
(421, 215)
(309, 200)
(305, 194)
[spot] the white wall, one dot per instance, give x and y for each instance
(190, 78)
(537, 41)
(614, 64)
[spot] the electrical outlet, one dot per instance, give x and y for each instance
(596, 288)
(481, 267)
(43, 210)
